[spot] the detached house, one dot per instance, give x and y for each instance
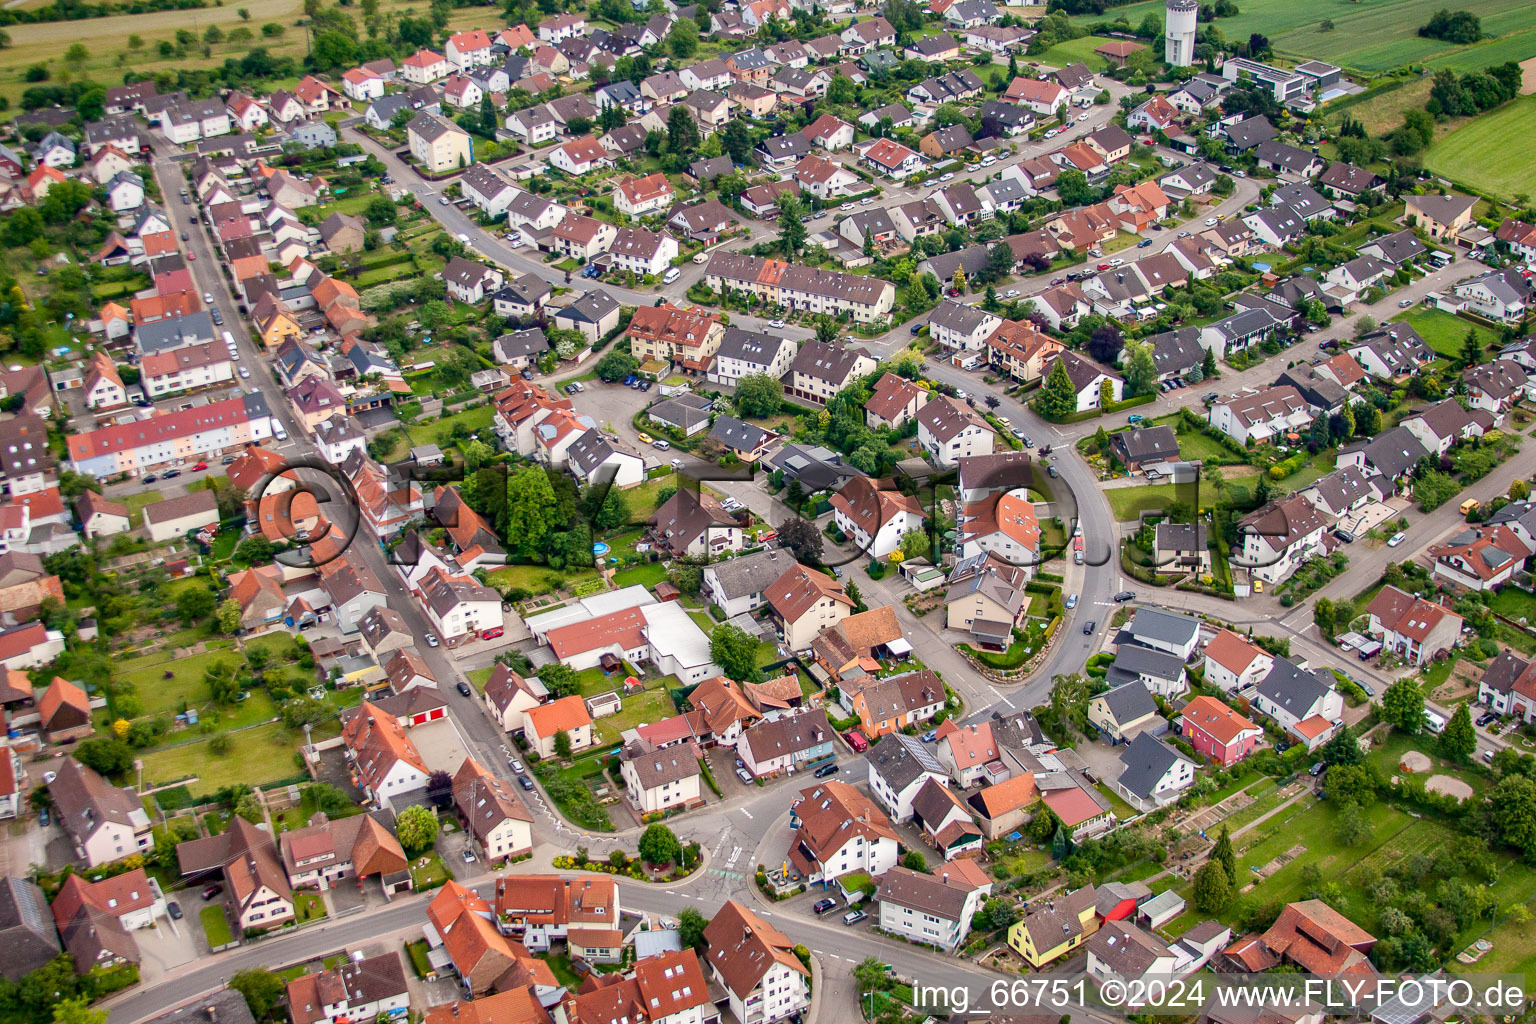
(949, 430)
(1416, 630)
(1280, 536)
(1480, 558)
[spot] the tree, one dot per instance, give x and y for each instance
(262, 990)
(1069, 699)
(228, 616)
(658, 846)
(682, 132)
(560, 680)
(532, 512)
(735, 651)
(1140, 370)
(736, 141)
(914, 544)
(1471, 350)
(105, 755)
(440, 788)
(1105, 343)
(1213, 889)
(759, 395)
(870, 974)
(842, 89)
(1222, 853)
(1459, 741)
(802, 539)
(563, 745)
(1208, 364)
(999, 261)
(683, 40)
(1402, 704)
(616, 365)
(416, 828)
(1352, 827)
(791, 229)
(254, 550)
(915, 861)
(1073, 188)
(690, 929)
(223, 687)
(1351, 784)
(194, 604)
(1512, 809)
(1323, 616)
(1058, 398)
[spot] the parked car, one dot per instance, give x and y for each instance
(857, 741)
(776, 324)
(468, 855)
(826, 770)
(212, 891)
(200, 467)
(1071, 602)
(1124, 596)
(464, 689)
(515, 765)
(174, 909)
(1485, 718)
(430, 638)
(853, 917)
(1396, 539)
(525, 782)
(930, 735)
(43, 817)
(170, 474)
(743, 775)
(823, 905)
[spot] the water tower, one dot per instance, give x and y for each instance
(1179, 31)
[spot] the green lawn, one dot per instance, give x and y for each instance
(1129, 502)
(650, 706)
(1074, 51)
(257, 757)
(308, 906)
(429, 872)
(136, 503)
(642, 497)
(647, 575)
(216, 925)
(536, 579)
(560, 967)
(478, 677)
(1514, 604)
(1492, 153)
(161, 695)
(1444, 332)
(475, 418)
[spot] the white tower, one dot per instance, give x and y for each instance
(1179, 31)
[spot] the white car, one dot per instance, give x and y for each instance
(1011, 293)
(245, 372)
(444, 200)
(208, 297)
(961, 394)
(1397, 538)
(1081, 118)
(776, 324)
(947, 176)
(1116, 261)
(1210, 221)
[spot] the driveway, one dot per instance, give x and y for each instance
(441, 745)
(170, 944)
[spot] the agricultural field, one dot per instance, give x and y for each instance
(1492, 153)
(1368, 37)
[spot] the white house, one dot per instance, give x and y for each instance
(898, 766)
(950, 430)
(1259, 414)
(930, 909)
(567, 715)
(1088, 381)
(1302, 702)
(755, 964)
(838, 829)
(1152, 773)
(1233, 663)
(1279, 537)
(874, 517)
(961, 327)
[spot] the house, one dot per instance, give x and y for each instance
(484, 959)
(64, 712)
(1051, 930)
(1124, 712)
(1340, 492)
(1244, 135)
(890, 158)
(1310, 935)
(829, 133)
(105, 822)
(1400, 248)
(755, 964)
(1155, 115)
(1495, 387)
(499, 823)
(176, 517)
(1145, 446)
(989, 601)
(660, 780)
(567, 715)
(804, 602)
(1502, 295)
(961, 327)
(595, 315)
(929, 909)
(362, 988)
(1123, 953)
(949, 430)
(934, 49)
(100, 517)
(893, 402)
(1480, 558)
(690, 524)
(805, 288)
(438, 144)
(385, 761)
(1302, 702)
(1181, 548)
(1088, 381)
(899, 766)
(1259, 414)
(1164, 631)
(635, 197)
(1006, 527)
(1217, 731)
(785, 744)
(30, 937)
(1441, 217)
(256, 888)
(1152, 774)
(838, 830)
(874, 517)
(324, 852)
(1392, 350)
(742, 353)
(1280, 536)
(898, 702)
(739, 585)
(1291, 163)
(1415, 629)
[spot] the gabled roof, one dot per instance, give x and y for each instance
(1146, 760)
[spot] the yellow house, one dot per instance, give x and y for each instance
(274, 322)
(1055, 929)
(1440, 217)
(438, 144)
(360, 670)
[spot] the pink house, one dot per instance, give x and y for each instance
(1217, 731)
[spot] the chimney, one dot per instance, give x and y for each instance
(455, 1007)
(213, 1012)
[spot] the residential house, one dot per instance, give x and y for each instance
(1217, 731)
(1415, 629)
(1302, 702)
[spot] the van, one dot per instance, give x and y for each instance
(661, 445)
(1470, 505)
(463, 238)
(702, 257)
(671, 275)
(1434, 721)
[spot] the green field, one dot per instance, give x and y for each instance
(1372, 37)
(1492, 153)
(475, 418)
(1080, 50)
(257, 757)
(650, 706)
(1444, 331)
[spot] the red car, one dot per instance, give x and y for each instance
(492, 633)
(1077, 543)
(857, 741)
(1103, 266)
(199, 467)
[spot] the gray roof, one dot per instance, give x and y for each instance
(593, 448)
(816, 467)
(1179, 537)
(1249, 133)
(226, 1006)
(901, 760)
(1169, 627)
(1177, 351)
(1130, 702)
(750, 574)
(1292, 688)
(174, 332)
(1395, 452)
(1134, 660)
(518, 344)
(683, 411)
(1343, 487)
(1148, 443)
(1397, 248)
(750, 346)
(737, 435)
(431, 127)
(1146, 759)
(590, 308)
(26, 927)
(1287, 158)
